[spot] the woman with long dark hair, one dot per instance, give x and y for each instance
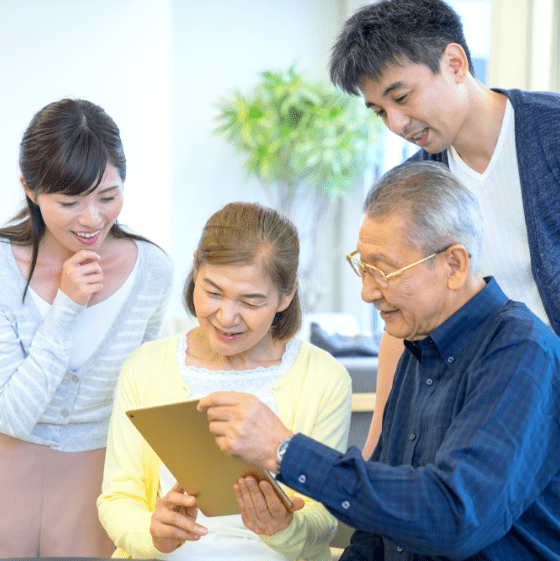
(79, 293)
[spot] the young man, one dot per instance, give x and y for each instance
(469, 461)
(410, 61)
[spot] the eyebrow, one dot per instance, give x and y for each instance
(256, 295)
(392, 87)
(109, 189)
(379, 257)
(102, 192)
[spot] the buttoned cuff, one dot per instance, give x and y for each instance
(309, 467)
(306, 465)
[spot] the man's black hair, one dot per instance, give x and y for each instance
(390, 33)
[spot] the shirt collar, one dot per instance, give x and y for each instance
(454, 333)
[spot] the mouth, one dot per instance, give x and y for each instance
(388, 314)
(420, 138)
(227, 335)
(87, 237)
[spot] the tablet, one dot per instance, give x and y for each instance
(179, 434)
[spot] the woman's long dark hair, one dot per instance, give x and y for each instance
(65, 149)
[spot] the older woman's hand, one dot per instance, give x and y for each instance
(174, 520)
(261, 509)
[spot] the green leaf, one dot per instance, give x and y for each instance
(300, 134)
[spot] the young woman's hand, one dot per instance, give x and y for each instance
(82, 276)
(261, 509)
(174, 520)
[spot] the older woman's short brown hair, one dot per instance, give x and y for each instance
(243, 233)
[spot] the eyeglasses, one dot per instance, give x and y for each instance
(360, 268)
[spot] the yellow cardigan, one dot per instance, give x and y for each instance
(314, 398)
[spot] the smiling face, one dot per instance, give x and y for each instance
(415, 302)
(424, 108)
(235, 306)
(81, 222)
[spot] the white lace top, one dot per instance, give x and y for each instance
(203, 381)
(227, 537)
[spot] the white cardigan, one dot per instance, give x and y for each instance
(41, 401)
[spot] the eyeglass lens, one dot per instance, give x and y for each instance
(361, 270)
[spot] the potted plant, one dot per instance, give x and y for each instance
(308, 143)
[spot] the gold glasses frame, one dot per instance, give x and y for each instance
(381, 278)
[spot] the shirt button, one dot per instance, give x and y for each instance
(412, 436)
(345, 505)
(429, 381)
(400, 549)
(65, 413)
(302, 478)
(75, 378)
(450, 359)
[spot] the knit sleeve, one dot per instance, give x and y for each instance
(161, 269)
(29, 380)
(126, 502)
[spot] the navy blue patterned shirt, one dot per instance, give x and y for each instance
(468, 463)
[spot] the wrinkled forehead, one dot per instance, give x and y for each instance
(388, 234)
(382, 230)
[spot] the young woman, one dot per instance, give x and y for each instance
(79, 293)
(243, 291)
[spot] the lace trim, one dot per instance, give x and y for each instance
(288, 358)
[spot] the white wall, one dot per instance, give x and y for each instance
(112, 52)
(525, 45)
(217, 47)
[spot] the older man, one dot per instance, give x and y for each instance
(410, 62)
(468, 464)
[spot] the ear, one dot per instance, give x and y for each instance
(28, 192)
(458, 266)
(195, 256)
(455, 60)
(286, 299)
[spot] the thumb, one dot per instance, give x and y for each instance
(297, 504)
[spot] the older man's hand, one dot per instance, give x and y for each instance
(245, 427)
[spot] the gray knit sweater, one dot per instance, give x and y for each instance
(41, 401)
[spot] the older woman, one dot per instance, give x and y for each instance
(79, 294)
(243, 290)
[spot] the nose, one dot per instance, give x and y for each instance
(90, 217)
(371, 291)
(397, 120)
(227, 313)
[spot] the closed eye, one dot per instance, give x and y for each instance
(107, 199)
(402, 99)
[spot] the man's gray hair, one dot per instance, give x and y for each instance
(441, 210)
